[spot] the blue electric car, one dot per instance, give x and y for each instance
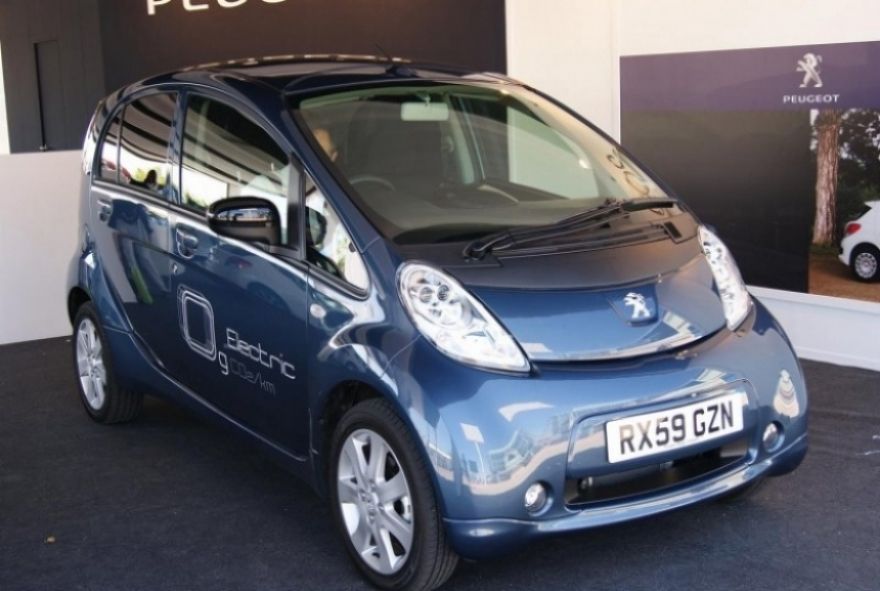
(453, 306)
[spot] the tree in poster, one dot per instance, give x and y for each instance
(860, 152)
(827, 125)
(847, 147)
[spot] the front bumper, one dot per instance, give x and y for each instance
(489, 436)
(487, 538)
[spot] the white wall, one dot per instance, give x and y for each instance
(38, 236)
(671, 26)
(572, 49)
(836, 330)
(565, 47)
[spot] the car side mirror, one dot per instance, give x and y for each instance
(250, 219)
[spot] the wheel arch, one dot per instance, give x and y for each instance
(339, 400)
(344, 396)
(87, 282)
(862, 246)
(76, 297)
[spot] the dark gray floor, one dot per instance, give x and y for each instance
(168, 502)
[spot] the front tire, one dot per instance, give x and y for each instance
(104, 400)
(866, 263)
(383, 501)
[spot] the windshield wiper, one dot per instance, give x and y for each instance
(479, 248)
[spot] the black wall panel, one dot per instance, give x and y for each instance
(462, 32)
(749, 174)
(66, 34)
(101, 45)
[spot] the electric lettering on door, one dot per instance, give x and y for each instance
(197, 326)
(200, 5)
(256, 353)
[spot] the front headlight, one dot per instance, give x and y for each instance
(734, 296)
(455, 322)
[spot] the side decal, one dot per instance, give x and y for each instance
(196, 317)
(198, 329)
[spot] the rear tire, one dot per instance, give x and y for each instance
(384, 505)
(104, 400)
(865, 263)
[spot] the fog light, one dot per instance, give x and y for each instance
(535, 497)
(773, 436)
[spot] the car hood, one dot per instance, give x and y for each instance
(605, 304)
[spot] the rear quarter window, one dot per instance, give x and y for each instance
(108, 164)
(144, 142)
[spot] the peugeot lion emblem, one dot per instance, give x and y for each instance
(639, 306)
(809, 65)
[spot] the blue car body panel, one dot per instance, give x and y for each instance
(285, 338)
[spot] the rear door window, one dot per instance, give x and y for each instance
(145, 139)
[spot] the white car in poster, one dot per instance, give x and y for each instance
(860, 247)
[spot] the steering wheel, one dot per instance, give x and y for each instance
(372, 178)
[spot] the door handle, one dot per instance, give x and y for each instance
(156, 214)
(105, 208)
(186, 243)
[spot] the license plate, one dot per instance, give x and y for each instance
(666, 430)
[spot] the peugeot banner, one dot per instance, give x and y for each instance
(778, 148)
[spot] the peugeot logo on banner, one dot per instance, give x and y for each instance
(809, 65)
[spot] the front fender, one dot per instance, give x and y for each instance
(361, 336)
(361, 365)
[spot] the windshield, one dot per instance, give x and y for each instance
(441, 162)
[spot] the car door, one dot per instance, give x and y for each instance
(130, 217)
(241, 310)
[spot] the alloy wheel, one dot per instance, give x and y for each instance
(90, 364)
(866, 265)
(375, 501)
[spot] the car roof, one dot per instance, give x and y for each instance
(303, 72)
